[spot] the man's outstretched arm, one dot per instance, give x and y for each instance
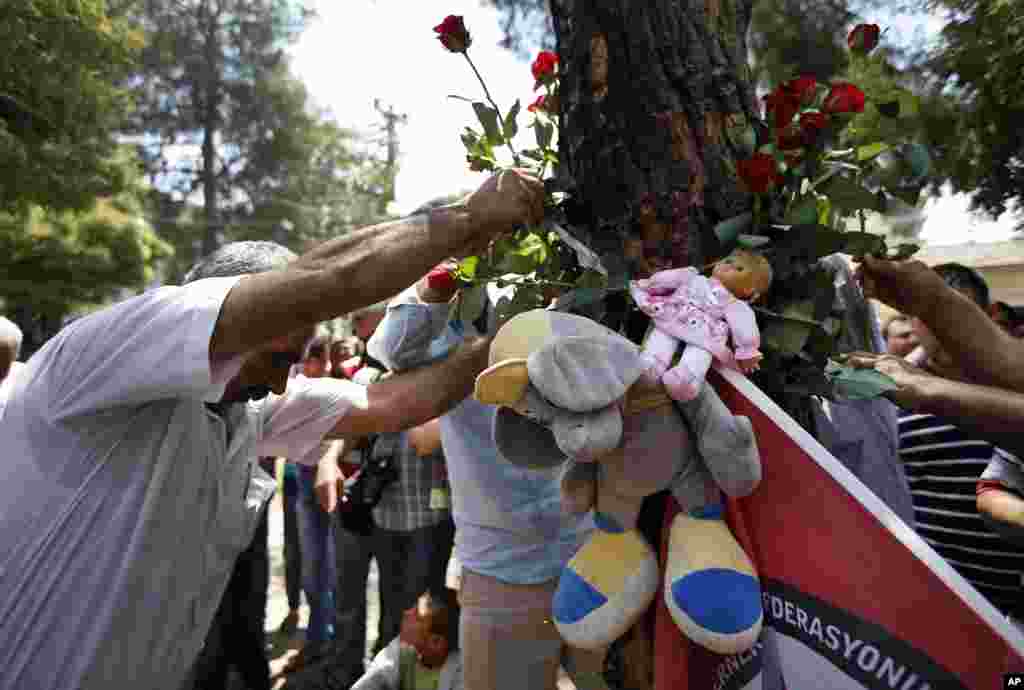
(368, 265)
(411, 398)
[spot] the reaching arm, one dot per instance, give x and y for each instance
(1004, 512)
(992, 413)
(368, 265)
(416, 396)
(425, 439)
(988, 354)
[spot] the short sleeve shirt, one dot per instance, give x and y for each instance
(126, 499)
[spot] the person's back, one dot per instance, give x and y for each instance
(943, 465)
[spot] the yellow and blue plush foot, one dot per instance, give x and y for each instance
(606, 586)
(711, 588)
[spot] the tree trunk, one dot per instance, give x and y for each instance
(653, 94)
(642, 142)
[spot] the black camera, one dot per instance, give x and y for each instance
(376, 471)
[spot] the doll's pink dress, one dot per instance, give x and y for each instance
(700, 312)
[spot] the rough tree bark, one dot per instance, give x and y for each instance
(653, 96)
(645, 149)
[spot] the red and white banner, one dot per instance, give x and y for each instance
(853, 598)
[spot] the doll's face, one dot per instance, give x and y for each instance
(745, 275)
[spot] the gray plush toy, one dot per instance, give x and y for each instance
(570, 398)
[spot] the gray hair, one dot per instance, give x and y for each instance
(10, 335)
(240, 258)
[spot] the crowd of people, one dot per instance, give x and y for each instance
(141, 444)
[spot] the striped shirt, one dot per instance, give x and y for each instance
(943, 465)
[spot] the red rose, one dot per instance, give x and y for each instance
(803, 89)
(811, 125)
(453, 34)
(863, 38)
(789, 138)
(442, 278)
(760, 172)
(544, 67)
(782, 106)
(539, 104)
(844, 98)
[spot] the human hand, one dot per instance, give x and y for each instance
(507, 199)
(908, 286)
(749, 366)
(911, 382)
(328, 486)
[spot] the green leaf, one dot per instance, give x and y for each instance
(863, 244)
(782, 334)
(730, 228)
(918, 159)
(752, 241)
(848, 195)
(471, 302)
(803, 212)
(805, 244)
(467, 268)
(903, 251)
(488, 117)
(543, 131)
(511, 127)
(869, 151)
(592, 279)
(858, 384)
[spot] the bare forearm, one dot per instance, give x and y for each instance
(1004, 512)
(418, 395)
(995, 414)
(975, 341)
(337, 277)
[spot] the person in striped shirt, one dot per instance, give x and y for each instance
(944, 460)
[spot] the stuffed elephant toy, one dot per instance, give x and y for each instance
(571, 397)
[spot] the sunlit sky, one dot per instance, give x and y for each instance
(361, 50)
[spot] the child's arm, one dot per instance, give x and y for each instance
(999, 500)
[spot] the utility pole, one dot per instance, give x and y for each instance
(391, 122)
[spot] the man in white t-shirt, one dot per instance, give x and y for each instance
(10, 348)
(129, 440)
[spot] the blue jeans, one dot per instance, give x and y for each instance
(316, 541)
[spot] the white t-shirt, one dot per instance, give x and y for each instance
(6, 384)
(125, 499)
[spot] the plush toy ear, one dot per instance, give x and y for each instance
(503, 383)
(585, 373)
(588, 436)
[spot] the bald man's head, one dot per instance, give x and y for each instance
(10, 345)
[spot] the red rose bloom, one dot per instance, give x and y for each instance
(453, 34)
(759, 172)
(539, 104)
(782, 106)
(789, 138)
(441, 278)
(811, 125)
(803, 89)
(844, 98)
(863, 38)
(544, 67)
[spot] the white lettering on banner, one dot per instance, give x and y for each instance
(728, 668)
(866, 656)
